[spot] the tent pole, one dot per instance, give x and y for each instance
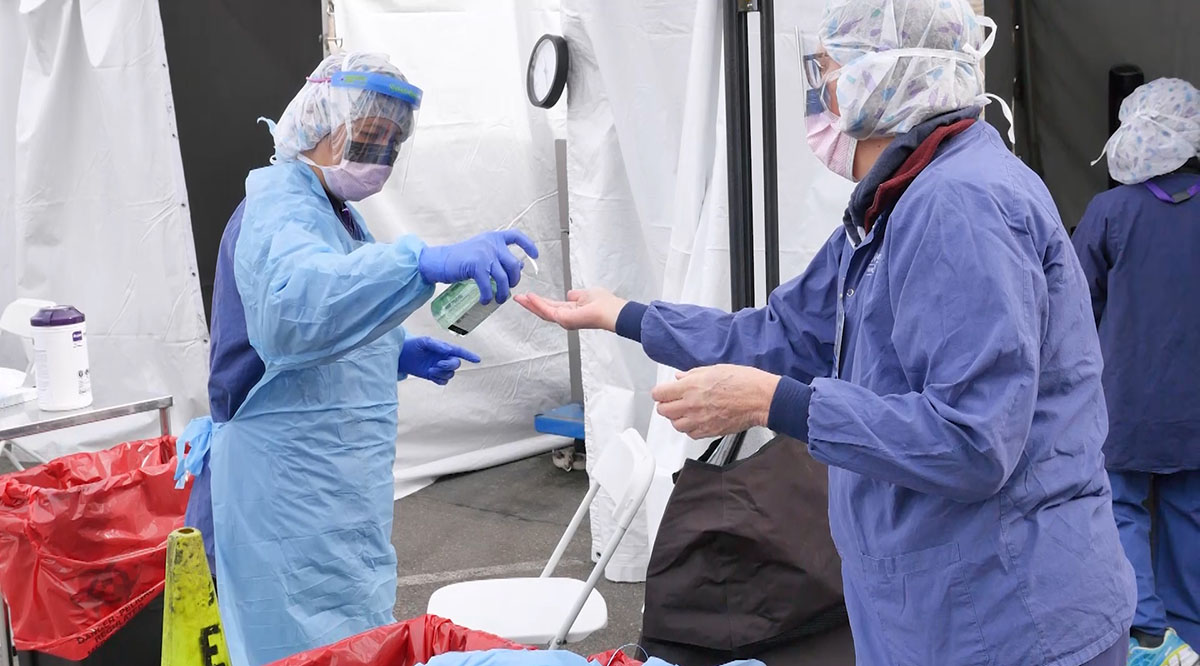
(737, 150)
(738, 160)
(770, 146)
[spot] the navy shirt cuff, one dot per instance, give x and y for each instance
(789, 408)
(629, 322)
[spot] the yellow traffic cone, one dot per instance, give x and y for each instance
(192, 633)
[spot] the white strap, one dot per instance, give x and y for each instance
(1106, 145)
(988, 40)
(929, 53)
(1008, 115)
(967, 54)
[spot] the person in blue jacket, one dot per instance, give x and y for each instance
(1139, 245)
(293, 470)
(938, 354)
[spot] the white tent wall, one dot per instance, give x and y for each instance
(649, 213)
(94, 205)
(482, 154)
(12, 61)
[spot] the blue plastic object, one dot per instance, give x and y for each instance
(380, 83)
(565, 421)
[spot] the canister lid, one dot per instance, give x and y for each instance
(59, 315)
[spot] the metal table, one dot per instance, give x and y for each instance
(26, 420)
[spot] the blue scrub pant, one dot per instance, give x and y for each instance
(1117, 655)
(1168, 571)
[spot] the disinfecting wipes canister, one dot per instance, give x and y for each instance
(60, 359)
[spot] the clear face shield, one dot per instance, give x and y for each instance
(834, 149)
(818, 69)
(375, 140)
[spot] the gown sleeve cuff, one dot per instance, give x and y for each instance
(629, 322)
(413, 246)
(401, 375)
(789, 408)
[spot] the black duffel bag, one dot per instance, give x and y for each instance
(744, 565)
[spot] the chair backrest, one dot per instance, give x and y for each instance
(625, 470)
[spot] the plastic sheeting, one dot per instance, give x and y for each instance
(423, 640)
(84, 543)
(481, 154)
(649, 209)
(93, 210)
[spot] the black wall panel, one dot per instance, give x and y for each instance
(232, 61)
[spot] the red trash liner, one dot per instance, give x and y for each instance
(83, 543)
(414, 642)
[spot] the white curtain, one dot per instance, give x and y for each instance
(649, 208)
(93, 208)
(481, 154)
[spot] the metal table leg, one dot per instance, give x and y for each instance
(8, 450)
(8, 652)
(164, 420)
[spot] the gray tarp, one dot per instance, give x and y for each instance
(1074, 43)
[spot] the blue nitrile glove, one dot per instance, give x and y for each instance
(432, 359)
(484, 258)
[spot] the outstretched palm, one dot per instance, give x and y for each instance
(583, 309)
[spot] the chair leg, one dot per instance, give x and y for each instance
(610, 549)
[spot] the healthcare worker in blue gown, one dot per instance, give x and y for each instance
(938, 354)
(1139, 244)
(307, 348)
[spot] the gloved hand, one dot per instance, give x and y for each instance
(484, 258)
(432, 359)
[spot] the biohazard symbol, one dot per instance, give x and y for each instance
(109, 587)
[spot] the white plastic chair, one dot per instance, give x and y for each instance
(557, 610)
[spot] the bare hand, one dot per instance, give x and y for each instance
(583, 309)
(717, 400)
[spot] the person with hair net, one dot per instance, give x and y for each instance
(937, 354)
(1139, 244)
(293, 470)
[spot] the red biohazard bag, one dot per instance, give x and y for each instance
(414, 642)
(83, 543)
